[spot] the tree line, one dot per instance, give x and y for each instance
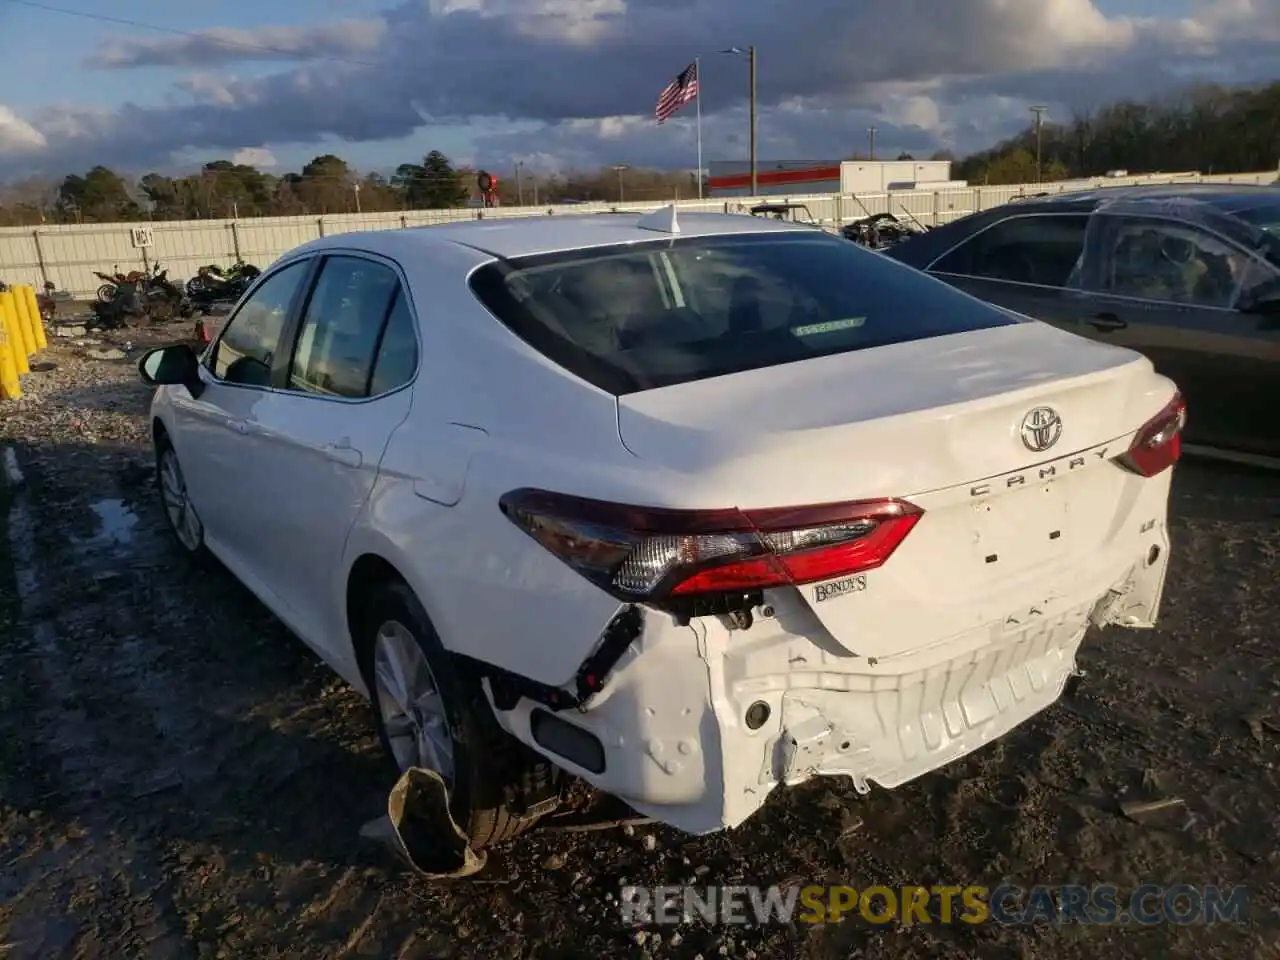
(1209, 128)
(1206, 128)
(326, 185)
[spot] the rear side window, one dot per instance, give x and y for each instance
(398, 352)
(641, 316)
(338, 341)
(1040, 249)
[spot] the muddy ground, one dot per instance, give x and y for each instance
(179, 777)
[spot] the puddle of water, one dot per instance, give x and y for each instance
(117, 524)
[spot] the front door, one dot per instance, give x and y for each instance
(216, 433)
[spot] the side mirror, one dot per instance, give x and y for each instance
(175, 365)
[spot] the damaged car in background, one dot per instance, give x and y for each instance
(686, 509)
(1187, 274)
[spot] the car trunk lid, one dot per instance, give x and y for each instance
(946, 423)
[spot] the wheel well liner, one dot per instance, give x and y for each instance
(369, 571)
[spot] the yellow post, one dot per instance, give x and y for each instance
(37, 321)
(25, 319)
(10, 386)
(17, 343)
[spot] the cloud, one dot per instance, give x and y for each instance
(577, 79)
(347, 39)
(259, 157)
(17, 136)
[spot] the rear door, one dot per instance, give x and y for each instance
(1022, 263)
(345, 391)
(1171, 291)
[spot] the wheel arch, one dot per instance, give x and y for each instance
(368, 571)
(373, 565)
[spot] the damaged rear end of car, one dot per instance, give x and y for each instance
(863, 529)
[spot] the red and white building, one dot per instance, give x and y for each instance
(732, 178)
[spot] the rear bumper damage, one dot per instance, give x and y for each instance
(695, 725)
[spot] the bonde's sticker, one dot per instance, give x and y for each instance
(839, 588)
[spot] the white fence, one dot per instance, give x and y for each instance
(69, 255)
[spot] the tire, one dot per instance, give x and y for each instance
(495, 779)
(106, 293)
(190, 540)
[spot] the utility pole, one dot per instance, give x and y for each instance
(751, 57)
(618, 168)
(355, 188)
(519, 184)
(1039, 111)
(751, 61)
(871, 143)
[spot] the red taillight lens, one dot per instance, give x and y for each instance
(645, 554)
(1158, 444)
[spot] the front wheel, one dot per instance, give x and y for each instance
(429, 715)
(106, 293)
(181, 514)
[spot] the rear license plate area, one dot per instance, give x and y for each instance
(1023, 527)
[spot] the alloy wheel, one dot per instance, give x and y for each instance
(410, 704)
(177, 505)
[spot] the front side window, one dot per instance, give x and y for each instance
(338, 339)
(247, 349)
(1041, 249)
(1153, 259)
(639, 316)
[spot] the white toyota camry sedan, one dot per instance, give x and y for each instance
(689, 507)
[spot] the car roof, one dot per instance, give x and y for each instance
(509, 237)
(1223, 198)
(1227, 197)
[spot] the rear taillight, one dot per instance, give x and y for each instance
(1158, 444)
(657, 555)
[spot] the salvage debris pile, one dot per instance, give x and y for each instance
(22, 335)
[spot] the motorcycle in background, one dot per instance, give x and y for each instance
(881, 230)
(107, 292)
(143, 294)
(212, 283)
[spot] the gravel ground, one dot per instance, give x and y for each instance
(179, 777)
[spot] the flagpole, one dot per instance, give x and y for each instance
(697, 69)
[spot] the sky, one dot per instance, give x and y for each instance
(158, 85)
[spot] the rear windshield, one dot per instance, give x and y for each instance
(639, 316)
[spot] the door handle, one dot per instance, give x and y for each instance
(343, 452)
(1106, 322)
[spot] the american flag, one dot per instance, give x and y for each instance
(679, 92)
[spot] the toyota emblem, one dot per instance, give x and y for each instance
(1041, 429)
